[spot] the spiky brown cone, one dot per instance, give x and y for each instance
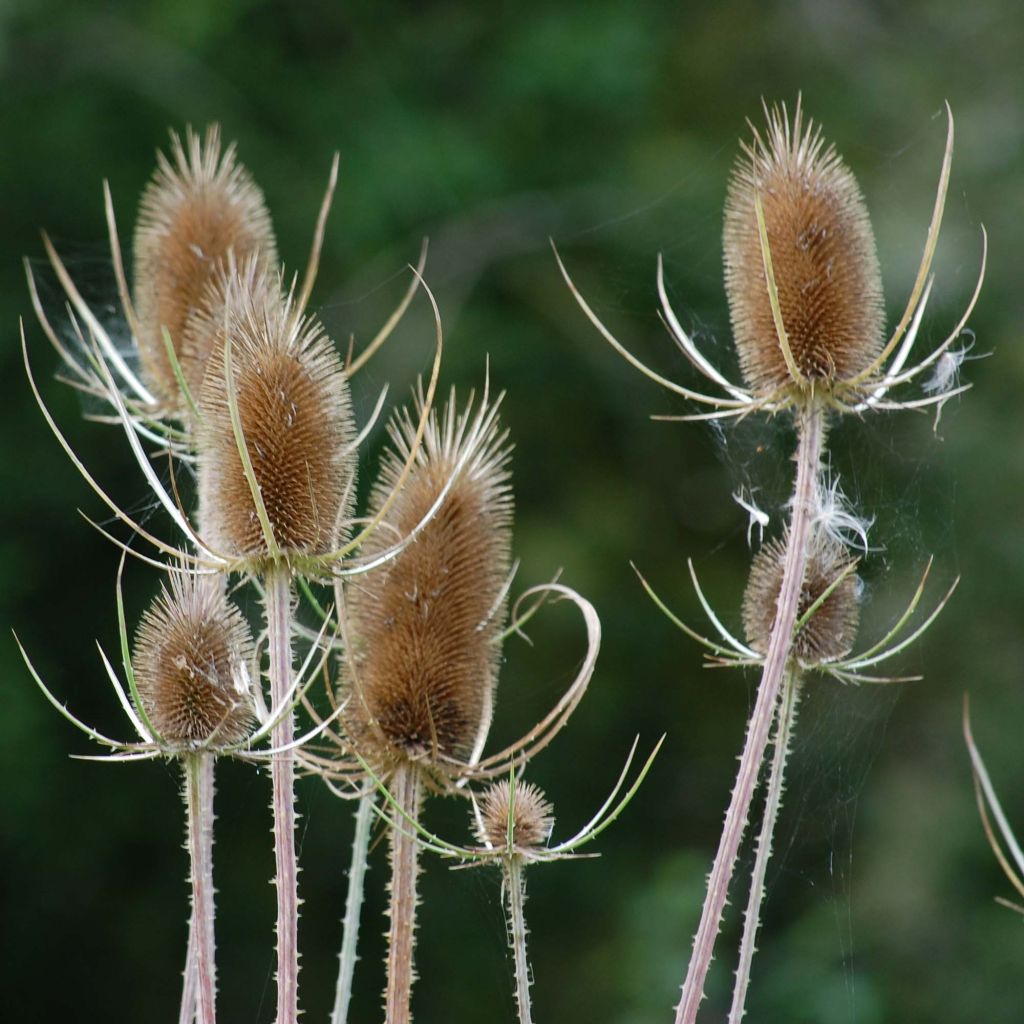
(823, 254)
(192, 652)
(426, 626)
(829, 634)
(293, 404)
(532, 816)
(200, 205)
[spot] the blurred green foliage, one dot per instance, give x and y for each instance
(490, 128)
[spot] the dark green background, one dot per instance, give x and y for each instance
(490, 127)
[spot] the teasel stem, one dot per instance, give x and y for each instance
(810, 425)
(199, 804)
(515, 887)
(353, 907)
(278, 597)
(785, 721)
(187, 1013)
(406, 787)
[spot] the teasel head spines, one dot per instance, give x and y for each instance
(822, 250)
(200, 205)
(191, 663)
(277, 436)
(514, 817)
(425, 627)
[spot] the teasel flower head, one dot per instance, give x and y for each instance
(823, 257)
(276, 443)
(200, 205)
(805, 292)
(518, 818)
(191, 663)
(828, 611)
(425, 627)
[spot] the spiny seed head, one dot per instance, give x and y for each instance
(829, 634)
(532, 816)
(426, 626)
(823, 254)
(292, 399)
(192, 652)
(199, 206)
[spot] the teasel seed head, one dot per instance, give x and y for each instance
(425, 628)
(532, 816)
(823, 254)
(192, 652)
(291, 394)
(830, 632)
(200, 205)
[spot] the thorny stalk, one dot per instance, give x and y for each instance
(199, 805)
(811, 437)
(515, 887)
(785, 722)
(407, 790)
(353, 907)
(278, 613)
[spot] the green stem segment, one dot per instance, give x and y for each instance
(353, 907)
(406, 787)
(278, 596)
(811, 440)
(785, 723)
(515, 887)
(199, 804)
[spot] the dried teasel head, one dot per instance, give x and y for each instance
(823, 255)
(524, 811)
(200, 205)
(192, 652)
(830, 631)
(425, 628)
(281, 375)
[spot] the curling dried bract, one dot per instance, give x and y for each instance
(823, 253)
(425, 627)
(829, 633)
(192, 652)
(200, 205)
(291, 394)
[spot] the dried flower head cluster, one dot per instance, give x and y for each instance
(425, 627)
(191, 663)
(828, 610)
(200, 206)
(276, 387)
(823, 255)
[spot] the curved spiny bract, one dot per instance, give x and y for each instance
(823, 254)
(290, 392)
(200, 205)
(192, 651)
(425, 627)
(829, 633)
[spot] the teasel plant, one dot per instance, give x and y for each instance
(805, 299)
(190, 692)
(421, 640)
(261, 417)
(1000, 835)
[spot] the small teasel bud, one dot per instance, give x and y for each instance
(829, 634)
(426, 626)
(532, 816)
(823, 255)
(292, 399)
(200, 205)
(192, 652)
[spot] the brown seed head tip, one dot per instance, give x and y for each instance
(192, 651)
(532, 816)
(292, 399)
(426, 626)
(829, 634)
(200, 205)
(823, 256)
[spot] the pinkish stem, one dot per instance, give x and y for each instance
(199, 801)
